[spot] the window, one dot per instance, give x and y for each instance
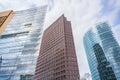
(28, 25)
(2, 19)
(13, 35)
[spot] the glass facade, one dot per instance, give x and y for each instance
(20, 44)
(105, 70)
(103, 35)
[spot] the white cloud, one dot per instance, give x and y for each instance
(116, 31)
(20, 4)
(112, 7)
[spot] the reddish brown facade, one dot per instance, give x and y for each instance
(57, 59)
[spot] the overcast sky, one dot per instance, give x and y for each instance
(83, 14)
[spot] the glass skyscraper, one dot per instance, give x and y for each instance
(103, 35)
(105, 71)
(20, 44)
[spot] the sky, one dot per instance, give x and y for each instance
(83, 14)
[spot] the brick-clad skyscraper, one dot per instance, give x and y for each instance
(57, 59)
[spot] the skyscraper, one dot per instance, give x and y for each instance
(19, 44)
(5, 18)
(57, 59)
(104, 68)
(103, 35)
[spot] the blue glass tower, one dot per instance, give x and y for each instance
(105, 70)
(20, 44)
(91, 39)
(103, 35)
